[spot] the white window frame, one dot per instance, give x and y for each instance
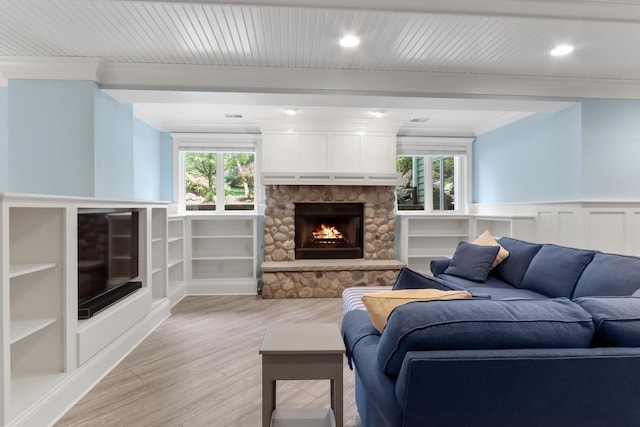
(220, 144)
(429, 147)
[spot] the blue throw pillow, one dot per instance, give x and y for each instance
(472, 262)
(410, 279)
(617, 320)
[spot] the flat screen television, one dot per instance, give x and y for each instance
(108, 261)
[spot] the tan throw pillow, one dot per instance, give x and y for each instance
(486, 239)
(381, 304)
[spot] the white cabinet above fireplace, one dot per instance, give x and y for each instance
(329, 158)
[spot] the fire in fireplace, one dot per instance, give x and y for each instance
(328, 230)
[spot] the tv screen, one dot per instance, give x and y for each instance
(107, 251)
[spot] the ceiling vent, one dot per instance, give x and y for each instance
(419, 120)
(233, 116)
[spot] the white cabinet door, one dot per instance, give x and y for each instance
(345, 152)
(378, 154)
(312, 153)
(279, 152)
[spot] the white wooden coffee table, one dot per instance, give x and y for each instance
(301, 351)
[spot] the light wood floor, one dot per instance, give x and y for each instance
(201, 367)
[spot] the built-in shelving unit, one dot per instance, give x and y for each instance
(223, 253)
(426, 237)
(176, 257)
(159, 271)
(49, 357)
(36, 353)
(520, 227)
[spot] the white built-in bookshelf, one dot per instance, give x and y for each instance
(424, 237)
(49, 358)
(223, 253)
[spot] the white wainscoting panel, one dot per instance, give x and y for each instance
(568, 228)
(606, 226)
(545, 226)
(606, 231)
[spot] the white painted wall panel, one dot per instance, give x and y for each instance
(345, 153)
(545, 226)
(568, 227)
(606, 231)
(279, 152)
(378, 153)
(312, 153)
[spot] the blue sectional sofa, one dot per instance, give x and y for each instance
(551, 338)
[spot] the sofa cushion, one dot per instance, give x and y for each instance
(486, 239)
(472, 262)
(555, 270)
(493, 288)
(482, 324)
(512, 269)
(609, 275)
(380, 304)
(410, 279)
(617, 320)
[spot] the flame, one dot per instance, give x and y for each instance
(327, 232)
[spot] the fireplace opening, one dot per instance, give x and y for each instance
(328, 230)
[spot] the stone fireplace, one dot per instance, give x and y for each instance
(302, 265)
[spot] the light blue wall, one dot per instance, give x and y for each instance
(113, 148)
(147, 161)
(4, 138)
(535, 159)
(611, 150)
(166, 166)
(51, 137)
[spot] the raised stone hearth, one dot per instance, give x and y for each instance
(285, 277)
(324, 278)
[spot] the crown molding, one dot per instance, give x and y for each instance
(50, 68)
(210, 127)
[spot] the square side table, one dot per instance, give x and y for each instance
(301, 351)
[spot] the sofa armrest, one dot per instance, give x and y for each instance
(439, 265)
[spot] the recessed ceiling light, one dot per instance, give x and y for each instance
(561, 50)
(349, 41)
(291, 111)
(377, 114)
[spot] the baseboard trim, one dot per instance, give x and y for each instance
(223, 287)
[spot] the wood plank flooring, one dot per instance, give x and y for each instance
(201, 367)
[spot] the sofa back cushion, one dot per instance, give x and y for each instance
(482, 324)
(512, 269)
(555, 270)
(609, 275)
(472, 262)
(617, 320)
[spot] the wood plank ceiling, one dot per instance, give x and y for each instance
(203, 33)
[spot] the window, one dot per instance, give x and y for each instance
(433, 175)
(215, 173)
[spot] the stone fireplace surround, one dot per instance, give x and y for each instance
(285, 277)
